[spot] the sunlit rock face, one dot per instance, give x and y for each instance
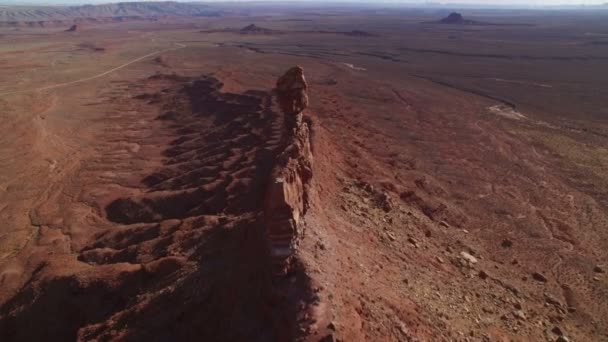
(287, 194)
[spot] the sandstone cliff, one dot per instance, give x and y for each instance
(287, 197)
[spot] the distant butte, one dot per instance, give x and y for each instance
(72, 28)
(359, 33)
(252, 28)
(457, 19)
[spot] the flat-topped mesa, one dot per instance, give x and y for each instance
(453, 18)
(287, 196)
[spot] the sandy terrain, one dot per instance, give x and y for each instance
(459, 190)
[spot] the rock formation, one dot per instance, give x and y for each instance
(287, 197)
(456, 18)
(453, 18)
(291, 91)
(72, 28)
(252, 28)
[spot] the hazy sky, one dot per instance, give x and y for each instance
(447, 2)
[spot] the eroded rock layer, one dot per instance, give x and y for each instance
(287, 195)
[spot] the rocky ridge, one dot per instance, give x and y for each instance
(287, 198)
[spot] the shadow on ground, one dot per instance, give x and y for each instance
(186, 259)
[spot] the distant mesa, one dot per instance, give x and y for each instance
(91, 47)
(359, 33)
(249, 29)
(457, 19)
(73, 28)
(253, 28)
(453, 18)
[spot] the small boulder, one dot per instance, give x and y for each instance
(539, 277)
(385, 202)
(519, 314)
(557, 331)
(552, 300)
(412, 241)
(506, 243)
(331, 326)
(468, 257)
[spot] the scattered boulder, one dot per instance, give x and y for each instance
(506, 243)
(331, 326)
(539, 277)
(552, 300)
(598, 269)
(468, 257)
(385, 202)
(519, 314)
(557, 331)
(412, 241)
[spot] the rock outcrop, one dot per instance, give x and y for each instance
(292, 96)
(253, 28)
(287, 197)
(456, 18)
(453, 18)
(72, 28)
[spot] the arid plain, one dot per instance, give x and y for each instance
(460, 184)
